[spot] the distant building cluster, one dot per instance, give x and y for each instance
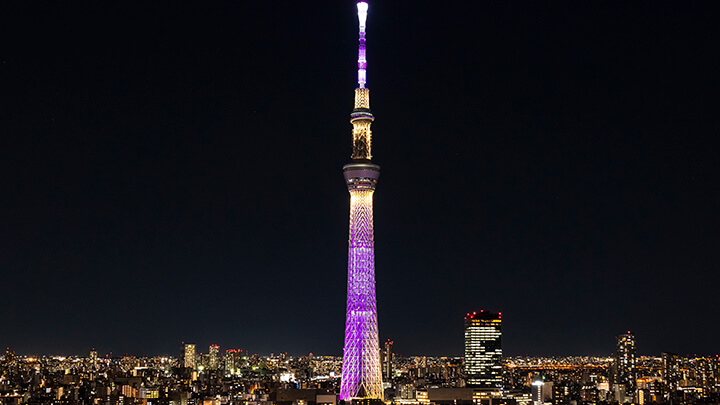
(482, 377)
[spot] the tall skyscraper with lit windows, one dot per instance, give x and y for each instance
(187, 356)
(483, 350)
(671, 373)
(213, 357)
(361, 373)
(626, 361)
(387, 361)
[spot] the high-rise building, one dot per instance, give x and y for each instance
(233, 362)
(361, 374)
(565, 391)
(483, 350)
(387, 359)
(536, 391)
(93, 360)
(626, 362)
(213, 360)
(671, 370)
(187, 356)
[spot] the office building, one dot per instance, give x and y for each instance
(483, 350)
(213, 359)
(188, 356)
(626, 361)
(233, 362)
(387, 359)
(671, 370)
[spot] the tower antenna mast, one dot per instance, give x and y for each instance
(362, 57)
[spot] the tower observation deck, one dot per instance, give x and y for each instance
(361, 372)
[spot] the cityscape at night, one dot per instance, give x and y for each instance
(175, 229)
(234, 376)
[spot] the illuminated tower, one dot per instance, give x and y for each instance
(213, 357)
(387, 360)
(626, 362)
(233, 362)
(361, 374)
(187, 355)
(483, 350)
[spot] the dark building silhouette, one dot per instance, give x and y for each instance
(386, 358)
(626, 362)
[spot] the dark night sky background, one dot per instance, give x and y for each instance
(173, 173)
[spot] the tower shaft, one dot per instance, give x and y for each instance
(361, 372)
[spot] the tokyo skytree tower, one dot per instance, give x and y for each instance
(361, 373)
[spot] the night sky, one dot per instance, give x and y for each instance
(174, 173)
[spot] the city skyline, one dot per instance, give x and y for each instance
(553, 164)
(202, 351)
(241, 379)
(234, 347)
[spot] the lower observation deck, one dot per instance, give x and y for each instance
(361, 175)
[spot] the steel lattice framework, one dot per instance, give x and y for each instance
(361, 373)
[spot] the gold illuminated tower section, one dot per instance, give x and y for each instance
(361, 372)
(361, 119)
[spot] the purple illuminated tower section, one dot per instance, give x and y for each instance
(361, 372)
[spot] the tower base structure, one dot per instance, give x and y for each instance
(362, 374)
